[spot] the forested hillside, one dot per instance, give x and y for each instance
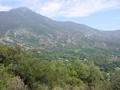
(55, 40)
(25, 70)
(38, 53)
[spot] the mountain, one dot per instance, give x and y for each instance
(33, 31)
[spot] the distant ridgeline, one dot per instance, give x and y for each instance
(35, 32)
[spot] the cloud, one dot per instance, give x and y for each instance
(68, 8)
(49, 8)
(77, 8)
(4, 8)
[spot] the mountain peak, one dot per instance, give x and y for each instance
(21, 9)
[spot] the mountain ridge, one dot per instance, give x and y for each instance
(35, 31)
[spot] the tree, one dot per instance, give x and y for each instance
(9, 81)
(115, 79)
(95, 76)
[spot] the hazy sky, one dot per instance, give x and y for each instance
(100, 14)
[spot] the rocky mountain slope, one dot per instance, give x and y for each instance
(33, 31)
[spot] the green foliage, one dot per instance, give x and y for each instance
(115, 79)
(4, 77)
(95, 77)
(16, 84)
(9, 81)
(23, 70)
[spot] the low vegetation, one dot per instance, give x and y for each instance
(24, 70)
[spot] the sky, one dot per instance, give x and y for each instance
(99, 14)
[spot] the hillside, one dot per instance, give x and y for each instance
(31, 30)
(23, 70)
(38, 53)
